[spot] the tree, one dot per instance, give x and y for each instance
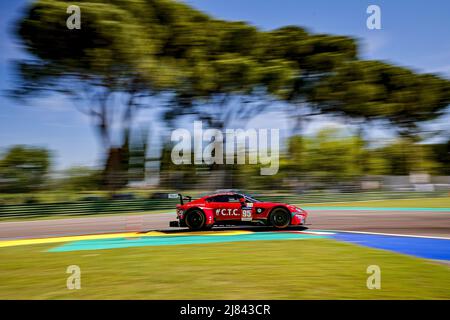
(79, 179)
(130, 51)
(238, 66)
(328, 157)
(405, 156)
(442, 156)
(374, 90)
(242, 71)
(23, 169)
(375, 163)
(314, 57)
(111, 58)
(153, 53)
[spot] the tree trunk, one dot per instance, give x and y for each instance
(115, 173)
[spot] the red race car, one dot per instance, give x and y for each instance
(232, 208)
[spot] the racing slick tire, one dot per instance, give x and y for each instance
(280, 218)
(195, 220)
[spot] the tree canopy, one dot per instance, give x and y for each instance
(375, 90)
(23, 169)
(197, 64)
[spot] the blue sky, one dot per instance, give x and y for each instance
(414, 34)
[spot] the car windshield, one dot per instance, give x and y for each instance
(250, 199)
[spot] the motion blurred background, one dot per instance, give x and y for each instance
(86, 114)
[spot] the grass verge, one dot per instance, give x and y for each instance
(298, 269)
(391, 203)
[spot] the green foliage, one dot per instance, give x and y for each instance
(23, 169)
(328, 156)
(375, 163)
(332, 156)
(165, 45)
(79, 179)
(375, 90)
(169, 46)
(405, 157)
(442, 156)
(165, 48)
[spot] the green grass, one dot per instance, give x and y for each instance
(301, 269)
(391, 203)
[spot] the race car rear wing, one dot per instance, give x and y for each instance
(179, 195)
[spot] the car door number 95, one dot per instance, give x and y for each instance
(246, 214)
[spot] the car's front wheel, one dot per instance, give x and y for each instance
(280, 218)
(195, 219)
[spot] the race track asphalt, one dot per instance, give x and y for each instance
(422, 223)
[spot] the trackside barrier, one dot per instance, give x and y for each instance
(141, 205)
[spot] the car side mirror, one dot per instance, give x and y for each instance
(242, 201)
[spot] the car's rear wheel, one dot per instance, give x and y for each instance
(280, 218)
(195, 219)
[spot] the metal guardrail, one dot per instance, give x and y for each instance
(85, 207)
